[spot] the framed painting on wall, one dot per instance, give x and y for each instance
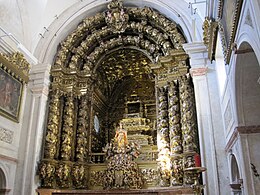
(10, 95)
(13, 75)
(228, 17)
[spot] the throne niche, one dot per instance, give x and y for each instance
(135, 122)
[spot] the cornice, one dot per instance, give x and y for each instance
(242, 130)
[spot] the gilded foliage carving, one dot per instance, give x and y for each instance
(79, 173)
(150, 176)
(97, 178)
(174, 119)
(19, 61)
(210, 30)
(67, 129)
(188, 120)
(63, 175)
(82, 130)
(47, 174)
(116, 16)
(177, 171)
(51, 139)
(164, 163)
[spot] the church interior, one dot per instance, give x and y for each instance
(129, 97)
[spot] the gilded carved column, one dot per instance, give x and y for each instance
(51, 139)
(79, 169)
(67, 129)
(64, 167)
(47, 166)
(175, 134)
(81, 138)
(189, 127)
(163, 138)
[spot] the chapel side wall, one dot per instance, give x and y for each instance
(10, 132)
(244, 145)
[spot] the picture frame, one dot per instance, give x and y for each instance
(12, 80)
(228, 18)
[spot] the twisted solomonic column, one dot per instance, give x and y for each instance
(79, 170)
(48, 164)
(189, 127)
(82, 130)
(163, 141)
(52, 132)
(175, 134)
(67, 129)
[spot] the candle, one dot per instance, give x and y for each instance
(197, 160)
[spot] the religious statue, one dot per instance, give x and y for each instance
(121, 137)
(122, 172)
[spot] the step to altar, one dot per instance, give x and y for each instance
(154, 191)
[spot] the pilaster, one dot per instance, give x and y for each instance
(210, 122)
(32, 129)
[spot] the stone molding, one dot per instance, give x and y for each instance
(40, 79)
(241, 130)
(6, 135)
(198, 54)
(198, 71)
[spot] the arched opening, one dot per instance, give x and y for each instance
(236, 182)
(247, 85)
(2, 183)
(120, 81)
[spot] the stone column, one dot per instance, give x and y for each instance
(32, 129)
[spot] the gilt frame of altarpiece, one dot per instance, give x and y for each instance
(228, 18)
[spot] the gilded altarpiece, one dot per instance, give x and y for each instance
(121, 106)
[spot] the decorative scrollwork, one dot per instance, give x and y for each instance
(18, 60)
(47, 174)
(150, 176)
(63, 175)
(116, 16)
(177, 171)
(79, 176)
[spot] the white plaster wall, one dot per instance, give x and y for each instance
(245, 147)
(248, 89)
(252, 145)
(9, 145)
(10, 18)
(247, 32)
